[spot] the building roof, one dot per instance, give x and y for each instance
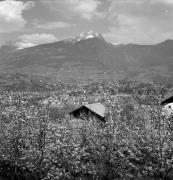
(167, 99)
(97, 108)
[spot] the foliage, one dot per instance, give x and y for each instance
(38, 140)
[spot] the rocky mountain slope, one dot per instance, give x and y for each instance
(89, 56)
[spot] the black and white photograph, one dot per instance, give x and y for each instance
(86, 89)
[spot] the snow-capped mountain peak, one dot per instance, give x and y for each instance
(88, 35)
(85, 35)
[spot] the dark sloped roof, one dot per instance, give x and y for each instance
(167, 99)
(97, 108)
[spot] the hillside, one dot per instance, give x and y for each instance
(89, 56)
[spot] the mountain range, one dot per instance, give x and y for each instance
(88, 56)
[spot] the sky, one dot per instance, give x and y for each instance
(34, 22)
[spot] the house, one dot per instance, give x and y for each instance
(89, 111)
(167, 104)
(168, 99)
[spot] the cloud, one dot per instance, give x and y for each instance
(11, 18)
(127, 30)
(142, 1)
(86, 9)
(29, 40)
(53, 25)
(168, 2)
(139, 21)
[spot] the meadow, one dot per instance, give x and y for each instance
(39, 141)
